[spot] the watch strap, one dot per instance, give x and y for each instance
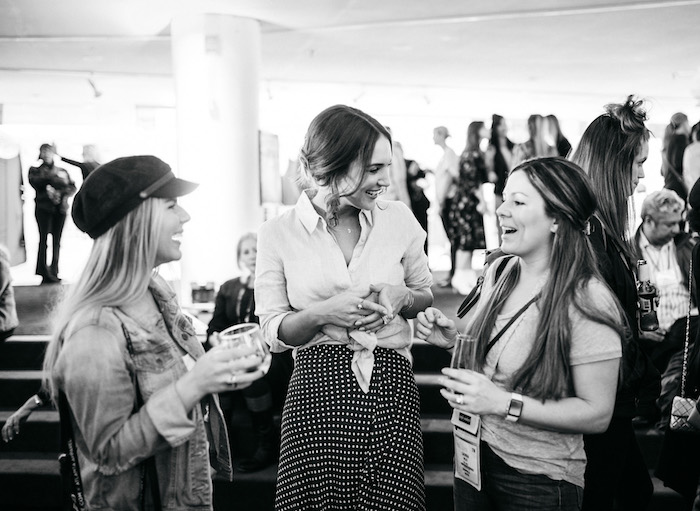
(515, 407)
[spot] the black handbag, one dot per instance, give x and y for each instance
(71, 482)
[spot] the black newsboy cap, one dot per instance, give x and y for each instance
(119, 186)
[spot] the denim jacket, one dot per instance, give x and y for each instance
(96, 371)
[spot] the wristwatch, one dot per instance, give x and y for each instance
(515, 407)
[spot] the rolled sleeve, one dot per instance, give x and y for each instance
(271, 300)
(415, 261)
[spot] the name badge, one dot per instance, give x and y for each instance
(467, 435)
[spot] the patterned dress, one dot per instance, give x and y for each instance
(465, 224)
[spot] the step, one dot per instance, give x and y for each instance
(22, 474)
(428, 358)
(23, 352)
(17, 386)
(40, 433)
(431, 401)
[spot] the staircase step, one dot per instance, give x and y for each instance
(23, 352)
(428, 358)
(40, 433)
(431, 401)
(17, 386)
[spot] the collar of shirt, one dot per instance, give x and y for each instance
(309, 216)
(663, 256)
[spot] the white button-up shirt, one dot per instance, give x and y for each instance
(300, 264)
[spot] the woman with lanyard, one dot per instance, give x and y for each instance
(547, 349)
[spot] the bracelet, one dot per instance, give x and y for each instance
(411, 301)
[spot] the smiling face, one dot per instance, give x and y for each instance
(527, 229)
(374, 182)
(174, 217)
(638, 164)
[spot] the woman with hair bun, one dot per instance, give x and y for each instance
(337, 278)
(547, 332)
(612, 151)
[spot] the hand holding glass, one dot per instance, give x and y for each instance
(247, 339)
(464, 354)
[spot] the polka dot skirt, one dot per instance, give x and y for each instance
(343, 449)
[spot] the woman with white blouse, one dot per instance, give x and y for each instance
(337, 278)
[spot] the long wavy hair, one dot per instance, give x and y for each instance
(338, 137)
(606, 152)
(117, 272)
(569, 199)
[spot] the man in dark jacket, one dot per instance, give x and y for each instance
(53, 186)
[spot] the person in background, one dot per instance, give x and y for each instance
(558, 140)
(120, 334)
(465, 217)
(89, 162)
(398, 175)
(498, 159)
(676, 139)
(235, 304)
(666, 250)
(14, 423)
(446, 177)
(677, 465)
(337, 278)
(8, 310)
(612, 151)
(548, 333)
(53, 187)
(416, 189)
(691, 158)
(534, 147)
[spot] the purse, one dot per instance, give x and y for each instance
(683, 406)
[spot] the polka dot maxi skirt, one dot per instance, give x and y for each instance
(343, 449)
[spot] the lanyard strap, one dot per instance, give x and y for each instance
(500, 333)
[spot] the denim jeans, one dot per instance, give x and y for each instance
(504, 488)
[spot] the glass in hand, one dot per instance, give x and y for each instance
(247, 338)
(464, 354)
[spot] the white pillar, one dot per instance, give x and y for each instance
(216, 59)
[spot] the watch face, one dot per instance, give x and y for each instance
(515, 407)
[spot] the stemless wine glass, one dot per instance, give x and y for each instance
(464, 354)
(248, 335)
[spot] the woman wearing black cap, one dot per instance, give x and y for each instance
(125, 360)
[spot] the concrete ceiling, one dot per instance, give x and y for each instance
(576, 48)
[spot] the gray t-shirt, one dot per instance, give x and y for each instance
(531, 450)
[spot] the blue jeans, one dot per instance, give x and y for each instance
(503, 488)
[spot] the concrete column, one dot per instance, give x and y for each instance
(216, 60)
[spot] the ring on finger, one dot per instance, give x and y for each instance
(459, 400)
(359, 306)
(232, 380)
(385, 320)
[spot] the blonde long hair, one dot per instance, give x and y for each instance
(117, 272)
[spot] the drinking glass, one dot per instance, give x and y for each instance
(248, 337)
(464, 354)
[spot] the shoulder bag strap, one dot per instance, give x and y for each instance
(500, 333)
(73, 487)
(473, 297)
(684, 373)
(149, 465)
